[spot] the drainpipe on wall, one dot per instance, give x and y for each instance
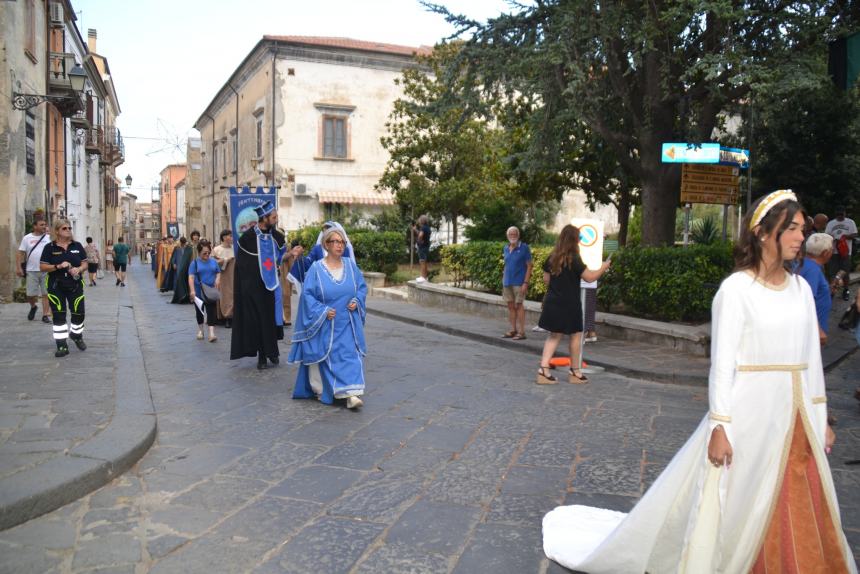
(236, 159)
(65, 175)
(49, 197)
(212, 161)
(274, 55)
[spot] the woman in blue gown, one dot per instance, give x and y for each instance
(328, 340)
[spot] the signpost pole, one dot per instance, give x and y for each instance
(725, 222)
(581, 335)
(687, 209)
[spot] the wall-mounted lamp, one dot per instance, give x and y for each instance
(77, 79)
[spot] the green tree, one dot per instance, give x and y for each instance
(637, 74)
(442, 161)
(807, 139)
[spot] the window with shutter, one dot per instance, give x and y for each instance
(335, 131)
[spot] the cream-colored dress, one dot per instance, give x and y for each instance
(766, 373)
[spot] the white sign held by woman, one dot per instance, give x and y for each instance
(590, 241)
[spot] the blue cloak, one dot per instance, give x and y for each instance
(337, 346)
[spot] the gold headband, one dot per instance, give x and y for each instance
(769, 202)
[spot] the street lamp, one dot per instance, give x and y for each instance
(77, 80)
(128, 180)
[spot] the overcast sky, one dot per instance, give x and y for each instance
(168, 58)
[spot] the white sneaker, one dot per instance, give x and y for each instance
(537, 329)
(420, 280)
(354, 402)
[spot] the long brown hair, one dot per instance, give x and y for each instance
(565, 251)
(748, 250)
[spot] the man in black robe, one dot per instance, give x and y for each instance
(256, 290)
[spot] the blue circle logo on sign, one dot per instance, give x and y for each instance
(587, 235)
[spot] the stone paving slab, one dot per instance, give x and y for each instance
(449, 467)
(70, 425)
(635, 359)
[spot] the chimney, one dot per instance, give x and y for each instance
(91, 40)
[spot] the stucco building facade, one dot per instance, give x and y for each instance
(306, 115)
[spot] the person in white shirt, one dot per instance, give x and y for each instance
(842, 227)
(27, 258)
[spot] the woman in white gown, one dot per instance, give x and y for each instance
(751, 490)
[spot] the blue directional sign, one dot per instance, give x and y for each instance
(691, 153)
(735, 156)
(704, 153)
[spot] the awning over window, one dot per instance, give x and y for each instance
(369, 197)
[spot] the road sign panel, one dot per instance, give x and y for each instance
(590, 241)
(711, 177)
(691, 153)
(704, 153)
(734, 156)
(709, 188)
(715, 169)
(715, 198)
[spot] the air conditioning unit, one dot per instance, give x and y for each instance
(57, 20)
(301, 189)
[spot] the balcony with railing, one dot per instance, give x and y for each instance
(68, 101)
(114, 147)
(79, 121)
(95, 141)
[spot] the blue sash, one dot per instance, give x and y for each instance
(267, 259)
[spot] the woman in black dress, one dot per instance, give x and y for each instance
(562, 307)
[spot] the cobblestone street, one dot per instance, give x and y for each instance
(449, 466)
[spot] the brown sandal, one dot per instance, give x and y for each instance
(509, 335)
(543, 378)
(518, 337)
(576, 380)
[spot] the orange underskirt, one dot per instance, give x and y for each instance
(801, 537)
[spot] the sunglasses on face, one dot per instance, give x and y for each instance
(65, 228)
(335, 242)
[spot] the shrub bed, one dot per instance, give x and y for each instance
(481, 264)
(666, 283)
(663, 283)
(374, 250)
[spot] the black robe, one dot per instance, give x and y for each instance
(183, 258)
(254, 327)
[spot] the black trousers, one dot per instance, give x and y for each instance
(63, 298)
(211, 313)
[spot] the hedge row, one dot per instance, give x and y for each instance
(374, 250)
(666, 283)
(481, 264)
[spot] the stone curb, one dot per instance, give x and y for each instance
(95, 462)
(831, 359)
(661, 377)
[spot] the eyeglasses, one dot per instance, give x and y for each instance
(65, 229)
(335, 242)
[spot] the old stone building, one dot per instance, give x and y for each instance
(305, 114)
(58, 145)
(172, 176)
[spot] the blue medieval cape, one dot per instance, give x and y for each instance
(269, 256)
(336, 346)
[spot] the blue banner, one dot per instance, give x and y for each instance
(242, 204)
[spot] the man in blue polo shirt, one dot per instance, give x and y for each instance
(515, 282)
(819, 250)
